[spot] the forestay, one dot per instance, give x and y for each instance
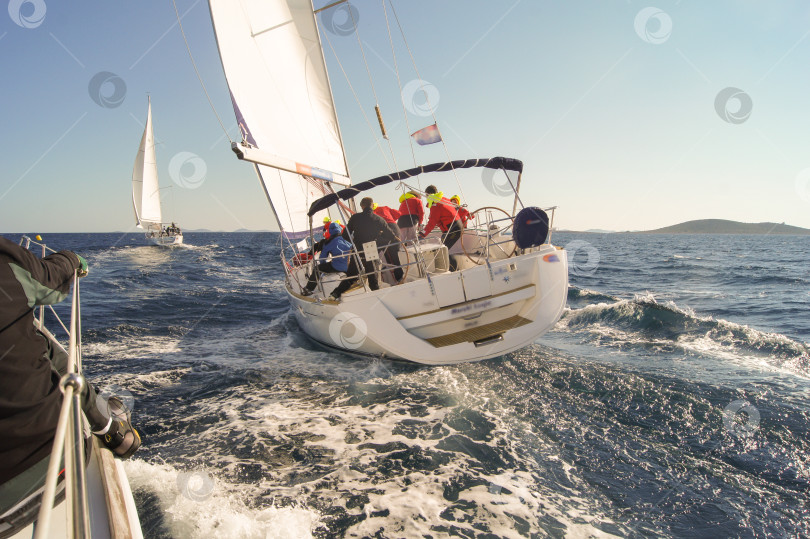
(274, 65)
(145, 188)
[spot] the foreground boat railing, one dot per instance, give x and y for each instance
(69, 436)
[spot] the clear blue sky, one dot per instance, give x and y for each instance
(612, 107)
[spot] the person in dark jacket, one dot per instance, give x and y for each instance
(443, 214)
(364, 227)
(31, 366)
(339, 248)
(390, 216)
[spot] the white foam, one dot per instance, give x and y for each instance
(219, 513)
(412, 500)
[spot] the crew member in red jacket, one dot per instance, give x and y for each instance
(463, 214)
(443, 214)
(411, 215)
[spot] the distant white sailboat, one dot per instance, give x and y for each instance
(146, 192)
(507, 288)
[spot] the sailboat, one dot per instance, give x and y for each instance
(146, 191)
(509, 284)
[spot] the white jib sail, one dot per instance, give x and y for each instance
(273, 62)
(145, 188)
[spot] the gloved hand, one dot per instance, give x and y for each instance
(422, 235)
(83, 271)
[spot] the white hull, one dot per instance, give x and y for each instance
(176, 239)
(112, 508)
(472, 314)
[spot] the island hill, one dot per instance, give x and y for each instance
(715, 226)
(722, 226)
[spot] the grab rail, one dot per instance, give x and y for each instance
(313, 263)
(419, 260)
(68, 438)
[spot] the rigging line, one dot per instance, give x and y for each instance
(427, 97)
(357, 100)
(370, 79)
(363, 53)
(193, 63)
(399, 85)
(174, 208)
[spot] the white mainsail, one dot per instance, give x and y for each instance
(273, 62)
(145, 188)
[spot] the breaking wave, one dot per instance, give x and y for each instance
(644, 321)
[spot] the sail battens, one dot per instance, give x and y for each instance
(260, 32)
(271, 56)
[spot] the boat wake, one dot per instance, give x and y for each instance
(666, 327)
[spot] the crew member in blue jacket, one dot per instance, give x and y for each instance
(336, 246)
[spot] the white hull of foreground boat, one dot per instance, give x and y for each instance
(111, 505)
(476, 313)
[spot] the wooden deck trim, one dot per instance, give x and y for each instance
(116, 505)
(479, 332)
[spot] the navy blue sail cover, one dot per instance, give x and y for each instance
(504, 163)
(531, 227)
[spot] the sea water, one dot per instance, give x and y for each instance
(672, 399)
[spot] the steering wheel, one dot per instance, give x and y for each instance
(484, 244)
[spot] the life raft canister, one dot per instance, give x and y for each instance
(301, 258)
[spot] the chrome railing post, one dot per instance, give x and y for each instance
(49, 493)
(72, 422)
(42, 307)
(551, 224)
(78, 492)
